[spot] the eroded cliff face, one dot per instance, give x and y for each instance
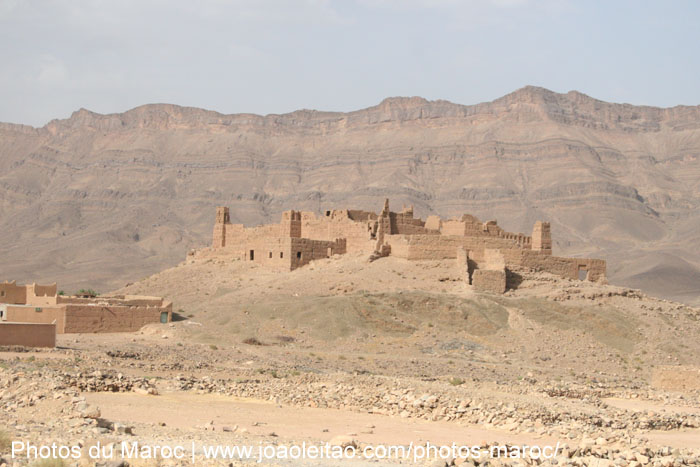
(100, 200)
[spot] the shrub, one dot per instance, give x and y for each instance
(5, 442)
(49, 463)
(252, 341)
(88, 292)
(456, 381)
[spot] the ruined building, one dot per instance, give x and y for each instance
(483, 250)
(33, 314)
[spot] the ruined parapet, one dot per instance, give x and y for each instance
(542, 238)
(462, 265)
(340, 247)
(490, 274)
(381, 249)
(290, 225)
(381, 252)
(383, 226)
(222, 218)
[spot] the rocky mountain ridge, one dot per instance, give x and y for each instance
(99, 200)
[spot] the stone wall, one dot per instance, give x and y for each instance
(28, 334)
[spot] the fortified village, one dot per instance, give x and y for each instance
(483, 251)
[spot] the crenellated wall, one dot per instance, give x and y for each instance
(301, 237)
(30, 294)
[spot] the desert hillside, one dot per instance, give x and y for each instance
(389, 352)
(349, 352)
(101, 200)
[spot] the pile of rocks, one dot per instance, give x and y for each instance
(100, 381)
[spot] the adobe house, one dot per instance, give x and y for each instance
(483, 250)
(36, 304)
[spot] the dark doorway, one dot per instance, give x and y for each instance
(252, 255)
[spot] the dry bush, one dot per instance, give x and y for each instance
(252, 341)
(5, 442)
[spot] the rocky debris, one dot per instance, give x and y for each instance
(343, 441)
(103, 381)
(88, 411)
(123, 354)
(373, 396)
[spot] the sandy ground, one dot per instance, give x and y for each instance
(263, 417)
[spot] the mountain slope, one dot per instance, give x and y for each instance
(99, 200)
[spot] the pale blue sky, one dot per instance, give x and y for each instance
(276, 56)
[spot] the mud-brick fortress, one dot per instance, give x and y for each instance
(483, 251)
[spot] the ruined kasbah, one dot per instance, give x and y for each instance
(487, 257)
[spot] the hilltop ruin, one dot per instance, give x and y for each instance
(483, 251)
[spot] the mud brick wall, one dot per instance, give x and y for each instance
(41, 294)
(565, 267)
(28, 334)
(275, 253)
(542, 237)
(427, 247)
(453, 228)
(357, 234)
(462, 264)
(37, 315)
(487, 280)
(424, 247)
(404, 223)
(305, 250)
(140, 300)
(10, 292)
(433, 223)
(96, 318)
(290, 225)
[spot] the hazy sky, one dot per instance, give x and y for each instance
(276, 56)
